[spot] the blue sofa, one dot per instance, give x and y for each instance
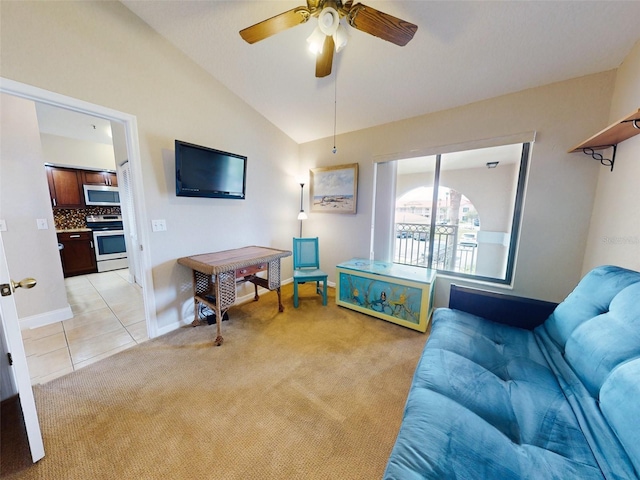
(493, 400)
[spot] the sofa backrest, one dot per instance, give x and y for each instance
(604, 342)
(591, 297)
(597, 329)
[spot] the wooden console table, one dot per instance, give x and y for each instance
(215, 276)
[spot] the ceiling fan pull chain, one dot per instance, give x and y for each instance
(335, 110)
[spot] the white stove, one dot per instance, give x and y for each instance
(108, 238)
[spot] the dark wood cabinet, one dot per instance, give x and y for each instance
(77, 254)
(65, 187)
(90, 177)
(65, 184)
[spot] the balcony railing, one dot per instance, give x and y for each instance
(412, 248)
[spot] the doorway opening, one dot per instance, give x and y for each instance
(138, 271)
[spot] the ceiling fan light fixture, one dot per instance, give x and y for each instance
(340, 38)
(329, 35)
(328, 20)
(316, 41)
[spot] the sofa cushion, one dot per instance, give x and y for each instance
(482, 340)
(603, 342)
(620, 404)
(491, 383)
(610, 455)
(441, 439)
(591, 297)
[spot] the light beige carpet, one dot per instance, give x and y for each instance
(310, 393)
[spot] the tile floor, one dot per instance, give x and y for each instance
(108, 318)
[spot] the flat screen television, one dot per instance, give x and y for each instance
(206, 172)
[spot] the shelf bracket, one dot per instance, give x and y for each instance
(607, 162)
(610, 137)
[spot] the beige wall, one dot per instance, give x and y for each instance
(102, 53)
(24, 197)
(560, 188)
(614, 236)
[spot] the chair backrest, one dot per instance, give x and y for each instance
(305, 253)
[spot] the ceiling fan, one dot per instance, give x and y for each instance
(330, 34)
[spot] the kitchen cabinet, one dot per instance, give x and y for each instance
(77, 253)
(90, 177)
(65, 187)
(65, 184)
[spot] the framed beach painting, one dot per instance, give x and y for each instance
(334, 189)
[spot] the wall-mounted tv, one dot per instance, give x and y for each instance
(206, 172)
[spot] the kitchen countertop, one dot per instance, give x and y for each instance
(73, 230)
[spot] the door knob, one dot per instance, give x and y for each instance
(24, 283)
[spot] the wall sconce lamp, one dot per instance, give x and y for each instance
(301, 216)
(492, 164)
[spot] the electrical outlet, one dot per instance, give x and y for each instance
(42, 223)
(159, 225)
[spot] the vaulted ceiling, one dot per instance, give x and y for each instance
(462, 52)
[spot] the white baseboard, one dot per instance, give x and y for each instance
(169, 328)
(46, 318)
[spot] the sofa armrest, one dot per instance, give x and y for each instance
(501, 308)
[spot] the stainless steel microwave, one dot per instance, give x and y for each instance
(101, 195)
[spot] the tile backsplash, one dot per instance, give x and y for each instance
(67, 218)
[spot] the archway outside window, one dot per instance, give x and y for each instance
(456, 212)
(457, 222)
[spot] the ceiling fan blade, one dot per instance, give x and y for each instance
(276, 24)
(380, 24)
(325, 59)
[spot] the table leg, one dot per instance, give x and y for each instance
(280, 306)
(218, 341)
(196, 320)
(196, 316)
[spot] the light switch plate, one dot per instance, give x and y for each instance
(159, 225)
(42, 223)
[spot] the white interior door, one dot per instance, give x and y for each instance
(19, 370)
(128, 214)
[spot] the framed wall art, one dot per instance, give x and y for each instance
(334, 189)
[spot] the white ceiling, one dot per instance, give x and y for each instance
(67, 123)
(463, 52)
(476, 158)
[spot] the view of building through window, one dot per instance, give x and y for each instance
(460, 212)
(457, 224)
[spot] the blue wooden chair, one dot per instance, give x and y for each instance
(306, 267)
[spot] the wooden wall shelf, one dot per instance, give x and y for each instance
(611, 136)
